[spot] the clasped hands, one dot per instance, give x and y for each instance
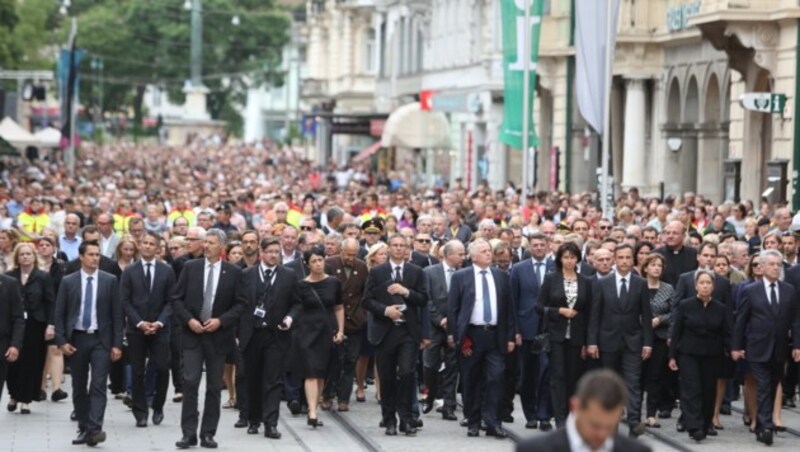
(149, 328)
(209, 326)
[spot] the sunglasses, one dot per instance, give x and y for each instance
(423, 240)
(604, 228)
(306, 228)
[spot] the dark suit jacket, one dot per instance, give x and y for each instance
(423, 260)
(558, 441)
(525, 296)
(282, 301)
(12, 321)
(552, 297)
(38, 295)
(107, 265)
(109, 309)
(615, 324)
(461, 301)
(437, 293)
(515, 257)
(698, 330)
(299, 268)
(352, 291)
(229, 301)
(793, 277)
(586, 269)
(179, 263)
(141, 305)
(376, 299)
(759, 331)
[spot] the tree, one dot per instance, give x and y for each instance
(148, 42)
(9, 52)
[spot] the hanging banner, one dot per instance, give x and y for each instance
(513, 23)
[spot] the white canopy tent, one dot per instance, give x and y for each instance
(49, 137)
(412, 127)
(15, 134)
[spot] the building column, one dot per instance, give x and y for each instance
(709, 163)
(633, 170)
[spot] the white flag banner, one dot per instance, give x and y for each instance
(591, 20)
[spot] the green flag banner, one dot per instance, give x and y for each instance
(513, 16)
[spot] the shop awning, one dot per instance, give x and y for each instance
(367, 152)
(412, 127)
(15, 134)
(49, 137)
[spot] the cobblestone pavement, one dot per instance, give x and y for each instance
(48, 428)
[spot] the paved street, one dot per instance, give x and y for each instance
(48, 428)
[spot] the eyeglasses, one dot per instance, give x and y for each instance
(307, 228)
(423, 240)
(604, 228)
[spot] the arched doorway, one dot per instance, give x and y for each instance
(688, 152)
(672, 133)
(710, 153)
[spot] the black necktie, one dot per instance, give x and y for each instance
(623, 291)
(398, 277)
(773, 299)
(147, 277)
(267, 278)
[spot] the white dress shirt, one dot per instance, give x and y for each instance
(576, 442)
(768, 290)
(477, 310)
(79, 322)
(286, 258)
(619, 282)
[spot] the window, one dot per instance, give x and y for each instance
(369, 51)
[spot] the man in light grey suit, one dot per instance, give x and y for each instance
(441, 347)
(89, 325)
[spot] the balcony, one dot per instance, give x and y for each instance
(313, 88)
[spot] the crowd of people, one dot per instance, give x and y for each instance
(288, 282)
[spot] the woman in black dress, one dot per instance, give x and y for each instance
(39, 304)
(701, 336)
(319, 326)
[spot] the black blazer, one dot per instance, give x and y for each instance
(552, 297)
(615, 324)
(376, 299)
(685, 289)
(698, 330)
(107, 265)
(281, 302)
(141, 305)
(760, 332)
(461, 301)
(109, 309)
(558, 441)
(586, 269)
(298, 267)
(423, 260)
(229, 301)
(38, 295)
(12, 320)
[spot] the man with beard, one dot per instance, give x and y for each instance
(249, 248)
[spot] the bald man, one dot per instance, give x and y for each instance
(679, 258)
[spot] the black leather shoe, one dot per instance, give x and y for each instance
(80, 439)
(473, 432)
(765, 437)
(464, 422)
(141, 422)
(241, 423)
(93, 439)
(507, 419)
(208, 442)
(57, 395)
(664, 414)
(449, 416)
(545, 426)
(725, 411)
(158, 417)
(711, 432)
(391, 430)
(186, 442)
(272, 432)
(498, 433)
(698, 435)
(417, 423)
(532, 425)
(252, 430)
(294, 407)
(427, 405)
(409, 430)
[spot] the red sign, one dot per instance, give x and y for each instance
(426, 100)
(376, 127)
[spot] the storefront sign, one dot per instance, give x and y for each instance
(764, 102)
(678, 16)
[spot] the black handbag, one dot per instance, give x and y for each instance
(541, 342)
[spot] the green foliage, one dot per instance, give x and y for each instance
(10, 53)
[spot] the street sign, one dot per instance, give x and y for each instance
(763, 102)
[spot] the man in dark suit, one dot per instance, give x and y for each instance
(421, 256)
(352, 272)
(442, 346)
(91, 234)
(621, 329)
(596, 410)
(264, 337)
(210, 313)
(526, 281)
(394, 293)
(147, 289)
(706, 254)
(88, 328)
(767, 314)
(481, 321)
(12, 325)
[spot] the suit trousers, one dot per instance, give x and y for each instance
(441, 384)
(150, 350)
(628, 365)
(698, 382)
(566, 368)
(240, 381)
(193, 360)
(342, 372)
(397, 358)
(767, 376)
(176, 354)
(510, 383)
(264, 371)
(482, 374)
(655, 378)
(3, 373)
(89, 396)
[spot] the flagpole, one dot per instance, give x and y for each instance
(606, 142)
(73, 108)
(526, 108)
